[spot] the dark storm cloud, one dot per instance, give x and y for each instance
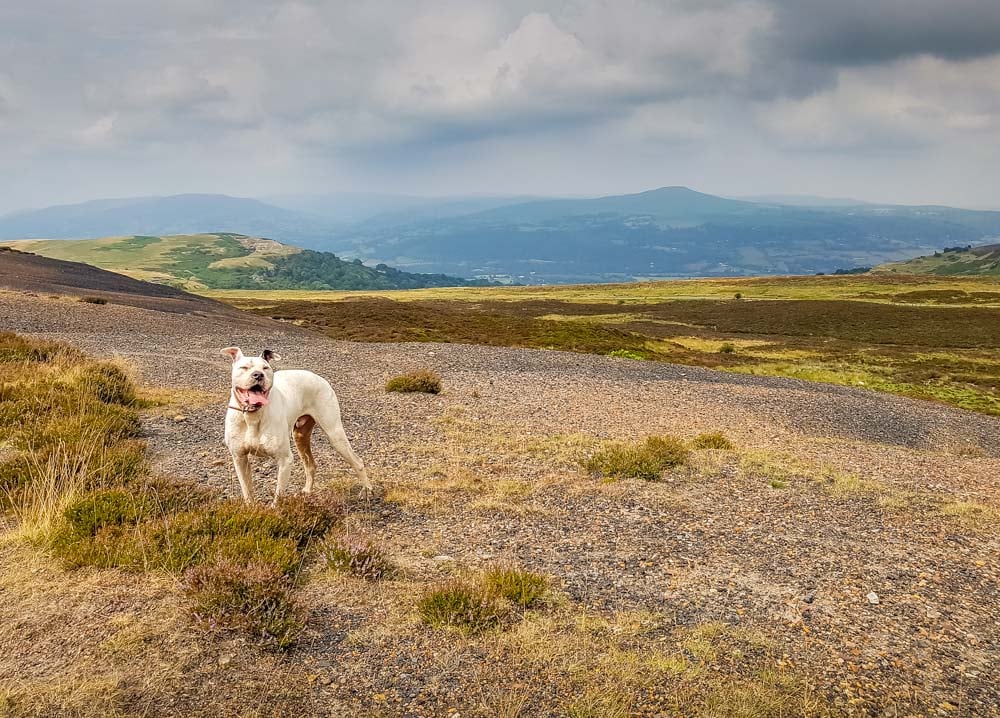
(851, 32)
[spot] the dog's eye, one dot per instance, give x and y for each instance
(266, 368)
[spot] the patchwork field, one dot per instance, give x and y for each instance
(924, 337)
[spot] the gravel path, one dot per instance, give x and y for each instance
(721, 543)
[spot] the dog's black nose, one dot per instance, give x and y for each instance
(258, 375)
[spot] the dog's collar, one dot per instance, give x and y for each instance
(246, 409)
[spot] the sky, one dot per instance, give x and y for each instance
(882, 100)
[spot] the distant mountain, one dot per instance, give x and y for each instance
(672, 231)
(345, 208)
(666, 232)
(983, 261)
(228, 261)
(804, 200)
(177, 214)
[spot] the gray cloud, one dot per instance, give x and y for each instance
(849, 32)
(559, 96)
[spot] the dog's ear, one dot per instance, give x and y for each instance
(268, 355)
(233, 353)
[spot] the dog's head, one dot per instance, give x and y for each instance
(252, 376)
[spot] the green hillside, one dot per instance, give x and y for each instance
(981, 261)
(228, 261)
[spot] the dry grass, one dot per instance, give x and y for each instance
(610, 665)
(972, 514)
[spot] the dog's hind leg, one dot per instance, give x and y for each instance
(302, 433)
(334, 430)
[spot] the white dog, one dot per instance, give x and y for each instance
(266, 406)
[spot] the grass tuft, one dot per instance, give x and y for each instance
(519, 586)
(712, 440)
(94, 300)
(463, 604)
(646, 460)
(424, 381)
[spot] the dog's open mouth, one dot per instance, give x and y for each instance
(255, 396)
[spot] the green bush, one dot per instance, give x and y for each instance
(712, 440)
(423, 380)
(463, 604)
(727, 348)
(254, 597)
(646, 460)
(519, 586)
(357, 555)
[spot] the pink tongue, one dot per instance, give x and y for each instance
(258, 398)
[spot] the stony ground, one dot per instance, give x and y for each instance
(850, 529)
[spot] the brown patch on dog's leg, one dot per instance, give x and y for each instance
(302, 433)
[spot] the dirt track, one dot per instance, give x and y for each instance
(724, 544)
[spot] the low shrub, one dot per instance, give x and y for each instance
(461, 603)
(311, 515)
(646, 460)
(727, 348)
(712, 440)
(423, 380)
(175, 541)
(169, 496)
(109, 383)
(519, 586)
(89, 513)
(94, 300)
(357, 555)
(254, 597)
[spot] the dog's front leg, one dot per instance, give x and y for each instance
(284, 473)
(243, 472)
